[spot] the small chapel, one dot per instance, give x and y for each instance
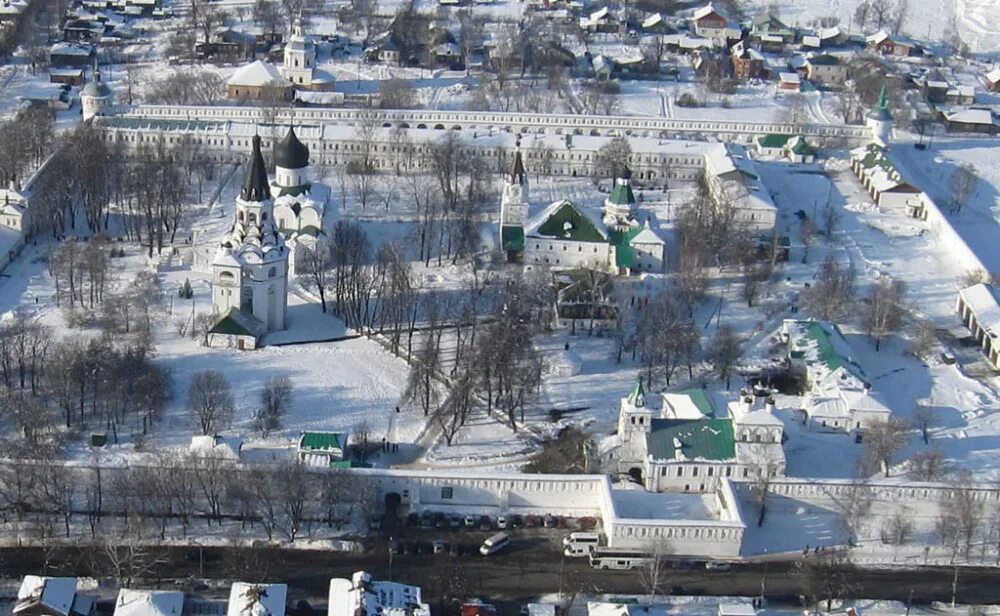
(250, 268)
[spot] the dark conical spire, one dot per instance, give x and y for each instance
(517, 175)
(255, 184)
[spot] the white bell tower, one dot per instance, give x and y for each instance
(514, 198)
(299, 58)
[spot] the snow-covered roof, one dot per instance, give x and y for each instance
(736, 609)
(575, 224)
(982, 300)
(790, 78)
(257, 599)
(994, 75)
(363, 596)
(652, 20)
(971, 116)
(149, 603)
(704, 11)
(647, 236)
(216, 446)
(55, 594)
(257, 74)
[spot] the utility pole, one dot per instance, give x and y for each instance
(954, 588)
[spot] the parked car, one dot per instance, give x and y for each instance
(718, 565)
(501, 522)
(532, 521)
(516, 521)
(413, 520)
(427, 519)
(440, 521)
(439, 546)
(550, 521)
(470, 521)
(455, 522)
(494, 544)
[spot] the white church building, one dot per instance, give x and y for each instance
(680, 442)
(566, 236)
(299, 204)
(299, 62)
(250, 268)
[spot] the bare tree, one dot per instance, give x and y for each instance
(882, 440)
(275, 400)
(927, 465)
(831, 294)
(613, 157)
(655, 570)
(962, 185)
(210, 401)
(724, 351)
(898, 529)
(923, 418)
(923, 338)
(885, 308)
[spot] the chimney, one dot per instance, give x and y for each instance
(868, 388)
(769, 404)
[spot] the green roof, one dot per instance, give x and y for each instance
(700, 399)
(773, 141)
(622, 194)
(322, 441)
(825, 353)
(512, 238)
(704, 439)
(566, 222)
(233, 323)
(638, 395)
(349, 464)
(295, 191)
(802, 147)
(624, 257)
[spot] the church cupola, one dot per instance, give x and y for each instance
(514, 207)
(619, 206)
(291, 163)
(879, 120)
(95, 97)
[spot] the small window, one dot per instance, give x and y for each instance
(694, 472)
(447, 492)
(680, 471)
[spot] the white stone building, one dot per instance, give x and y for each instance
(299, 205)
(364, 596)
(840, 397)
(686, 445)
(734, 184)
(250, 268)
(96, 98)
(299, 62)
(980, 312)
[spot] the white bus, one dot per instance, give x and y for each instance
(622, 560)
(494, 544)
(580, 543)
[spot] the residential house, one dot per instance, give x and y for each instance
(879, 176)
(770, 33)
(322, 448)
(51, 596)
(257, 599)
(747, 62)
(584, 300)
(839, 395)
(971, 121)
(66, 55)
(826, 70)
(733, 182)
(979, 308)
(132, 602)
(960, 95)
(602, 21)
(710, 23)
(893, 45)
(364, 596)
(992, 79)
(656, 24)
(790, 82)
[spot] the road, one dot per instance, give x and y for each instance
(530, 569)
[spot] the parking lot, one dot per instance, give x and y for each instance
(435, 532)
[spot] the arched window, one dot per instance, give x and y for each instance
(226, 277)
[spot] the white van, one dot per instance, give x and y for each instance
(580, 543)
(606, 558)
(494, 544)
